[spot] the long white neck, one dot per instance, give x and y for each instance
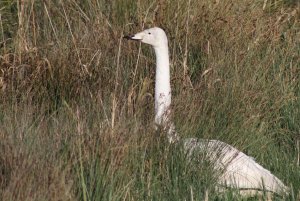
(162, 85)
(163, 93)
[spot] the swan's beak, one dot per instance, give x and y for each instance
(134, 37)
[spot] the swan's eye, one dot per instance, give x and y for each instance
(149, 33)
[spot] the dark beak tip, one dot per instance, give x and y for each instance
(128, 37)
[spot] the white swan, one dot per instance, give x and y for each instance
(238, 170)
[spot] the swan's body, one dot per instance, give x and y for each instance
(238, 170)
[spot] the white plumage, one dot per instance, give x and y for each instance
(237, 169)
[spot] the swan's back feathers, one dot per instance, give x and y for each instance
(238, 170)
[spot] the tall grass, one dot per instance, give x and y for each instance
(76, 112)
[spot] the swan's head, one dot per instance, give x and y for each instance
(154, 36)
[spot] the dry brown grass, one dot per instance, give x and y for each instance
(76, 104)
